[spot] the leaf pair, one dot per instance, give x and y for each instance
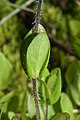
(35, 52)
(64, 105)
(53, 86)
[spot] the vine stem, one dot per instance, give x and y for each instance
(36, 99)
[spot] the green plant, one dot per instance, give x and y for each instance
(34, 54)
(55, 78)
(34, 62)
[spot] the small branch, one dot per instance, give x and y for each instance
(60, 45)
(17, 10)
(20, 7)
(36, 99)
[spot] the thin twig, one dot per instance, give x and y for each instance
(60, 45)
(20, 7)
(17, 10)
(36, 99)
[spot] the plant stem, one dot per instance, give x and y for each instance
(46, 111)
(35, 93)
(38, 14)
(36, 99)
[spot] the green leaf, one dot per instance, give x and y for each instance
(45, 73)
(36, 59)
(31, 106)
(25, 44)
(5, 72)
(66, 105)
(11, 115)
(53, 86)
(73, 80)
(60, 116)
(23, 50)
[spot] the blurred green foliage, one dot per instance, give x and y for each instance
(62, 19)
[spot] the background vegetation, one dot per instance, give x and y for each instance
(61, 19)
